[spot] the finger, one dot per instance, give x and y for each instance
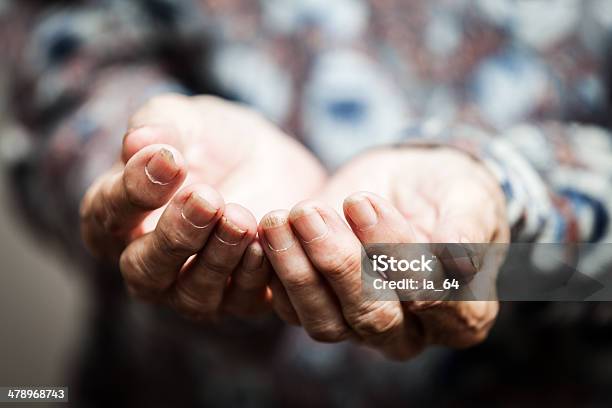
(468, 213)
(248, 292)
(336, 253)
(471, 217)
(119, 202)
(253, 273)
(199, 290)
(450, 323)
(151, 263)
(281, 302)
(375, 220)
(456, 324)
(310, 295)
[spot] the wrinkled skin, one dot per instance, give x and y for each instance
(389, 196)
(179, 212)
(183, 160)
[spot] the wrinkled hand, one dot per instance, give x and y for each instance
(389, 196)
(186, 246)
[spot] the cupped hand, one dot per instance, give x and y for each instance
(163, 210)
(401, 195)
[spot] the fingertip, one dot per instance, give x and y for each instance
(255, 249)
(303, 208)
(254, 256)
(242, 218)
(354, 198)
(236, 225)
(165, 165)
(201, 205)
(374, 219)
(276, 232)
(307, 207)
(153, 175)
(274, 219)
(360, 211)
(206, 192)
(379, 204)
(308, 222)
(144, 155)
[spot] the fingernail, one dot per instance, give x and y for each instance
(198, 212)
(229, 233)
(278, 233)
(471, 252)
(361, 213)
(309, 225)
(161, 168)
(475, 262)
(253, 258)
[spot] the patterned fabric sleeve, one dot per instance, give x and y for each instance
(65, 63)
(557, 177)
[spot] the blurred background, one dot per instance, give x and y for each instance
(42, 302)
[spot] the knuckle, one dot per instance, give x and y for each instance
(338, 267)
(462, 324)
(174, 243)
(477, 325)
(136, 273)
(328, 332)
(376, 320)
(298, 282)
(108, 210)
(422, 305)
(216, 267)
(136, 196)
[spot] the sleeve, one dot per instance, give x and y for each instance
(534, 106)
(75, 72)
(556, 177)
